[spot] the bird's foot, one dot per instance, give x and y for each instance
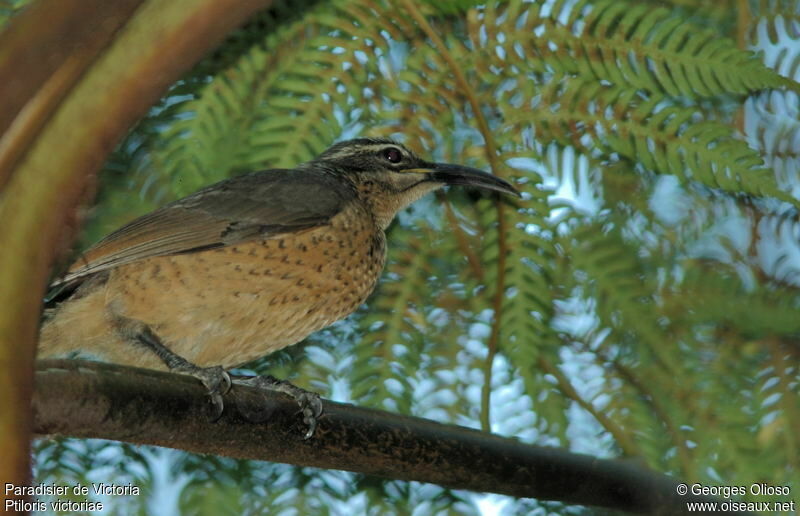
(310, 402)
(216, 380)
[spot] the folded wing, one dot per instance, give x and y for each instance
(261, 205)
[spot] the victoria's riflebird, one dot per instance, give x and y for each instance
(246, 266)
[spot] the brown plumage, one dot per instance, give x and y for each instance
(247, 266)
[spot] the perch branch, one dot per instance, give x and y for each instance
(93, 400)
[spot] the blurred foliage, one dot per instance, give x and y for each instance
(9, 8)
(641, 301)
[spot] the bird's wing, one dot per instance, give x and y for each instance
(254, 206)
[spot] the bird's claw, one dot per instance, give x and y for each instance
(311, 408)
(217, 381)
(310, 402)
(219, 385)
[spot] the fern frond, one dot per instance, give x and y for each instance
(527, 310)
(772, 125)
(721, 15)
(280, 104)
(772, 122)
(719, 296)
(664, 137)
(775, 400)
(636, 342)
(777, 39)
(616, 278)
(658, 419)
(631, 44)
(380, 371)
(279, 15)
(729, 378)
(213, 135)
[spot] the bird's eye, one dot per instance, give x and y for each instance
(393, 155)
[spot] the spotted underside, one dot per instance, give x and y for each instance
(228, 305)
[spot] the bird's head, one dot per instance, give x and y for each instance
(389, 177)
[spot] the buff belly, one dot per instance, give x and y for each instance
(224, 306)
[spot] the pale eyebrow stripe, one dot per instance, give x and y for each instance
(371, 147)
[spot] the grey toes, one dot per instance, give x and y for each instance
(310, 403)
(311, 408)
(217, 405)
(216, 380)
(218, 384)
(221, 381)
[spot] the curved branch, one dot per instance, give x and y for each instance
(46, 60)
(87, 399)
(58, 136)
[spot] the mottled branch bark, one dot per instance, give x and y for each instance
(85, 399)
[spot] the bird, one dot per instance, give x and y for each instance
(244, 267)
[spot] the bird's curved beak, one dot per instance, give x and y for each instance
(468, 176)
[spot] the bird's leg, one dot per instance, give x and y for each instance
(215, 379)
(310, 402)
